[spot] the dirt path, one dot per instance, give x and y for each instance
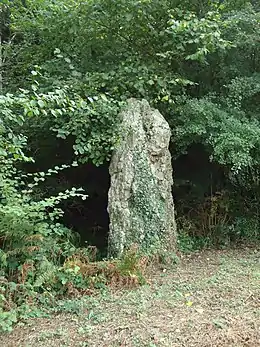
(209, 299)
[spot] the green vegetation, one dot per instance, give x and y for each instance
(66, 70)
(209, 298)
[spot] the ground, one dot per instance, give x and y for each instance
(209, 299)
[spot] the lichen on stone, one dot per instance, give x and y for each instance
(140, 201)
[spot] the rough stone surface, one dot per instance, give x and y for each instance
(140, 203)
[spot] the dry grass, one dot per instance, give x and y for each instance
(209, 299)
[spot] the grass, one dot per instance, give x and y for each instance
(211, 298)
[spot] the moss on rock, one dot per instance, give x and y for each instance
(140, 201)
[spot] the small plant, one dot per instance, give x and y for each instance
(7, 320)
(247, 228)
(186, 243)
(133, 265)
(207, 223)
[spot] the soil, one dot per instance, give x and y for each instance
(209, 299)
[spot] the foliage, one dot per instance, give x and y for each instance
(66, 69)
(78, 275)
(91, 121)
(186, 61)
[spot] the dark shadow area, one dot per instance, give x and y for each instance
(89, 218)
(196, 177)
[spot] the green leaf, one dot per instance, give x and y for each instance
(41, 103)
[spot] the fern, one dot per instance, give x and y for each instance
(46, 273)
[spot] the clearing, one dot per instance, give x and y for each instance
(211, 298)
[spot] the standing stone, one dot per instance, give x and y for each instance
(140, 203)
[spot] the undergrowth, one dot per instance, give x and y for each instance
(40, 260)
(217, 221)
(32, 291)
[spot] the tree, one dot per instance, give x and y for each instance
(198, 62)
